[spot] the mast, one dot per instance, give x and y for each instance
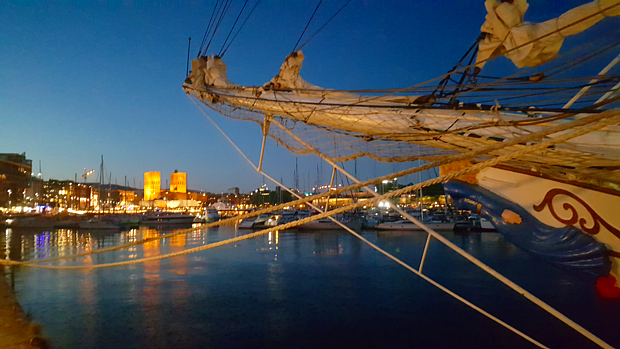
(421, 205)
(101, 182)
(109, 190)
(318, 176)
(296, 176)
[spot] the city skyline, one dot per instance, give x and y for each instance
(82, 80)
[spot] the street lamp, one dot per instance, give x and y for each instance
(9, 191)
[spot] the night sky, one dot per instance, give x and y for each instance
(83, 79)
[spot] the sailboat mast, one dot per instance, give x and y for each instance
(296, 177)
(421, 206)
(101, 182)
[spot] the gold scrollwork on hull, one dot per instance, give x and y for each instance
(574, 218)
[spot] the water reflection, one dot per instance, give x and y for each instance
(271, 290)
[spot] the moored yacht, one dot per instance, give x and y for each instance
(282, 217)
(409, 225)
(254, 222)
(209, 215)
(157, 218)
(353, 222)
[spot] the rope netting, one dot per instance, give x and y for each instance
(581, 159)
(407, 124)
(334, 143)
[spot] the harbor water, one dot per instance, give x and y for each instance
(295, 289)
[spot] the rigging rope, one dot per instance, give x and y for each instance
(599, 12)
(560, 68)
(232, 28)
(472, 259)
(442, 84)
(307, 24)
(237, 33)
(611, 118)
(208, 30)
(593, 122)
(329, 20)
(225, 8)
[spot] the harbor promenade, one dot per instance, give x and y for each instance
(16, 332)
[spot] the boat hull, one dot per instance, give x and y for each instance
(407, 225)
(165, 218)
(326, 224)
(568, 224)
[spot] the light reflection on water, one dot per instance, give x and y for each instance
(293, 289)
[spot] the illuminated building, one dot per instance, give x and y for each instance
(126, 196)
(152, 185)
(15, 172)
(178, 182)
(175, 197)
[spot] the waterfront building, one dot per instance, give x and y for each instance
(198, 196)
(152, 185)
(65, 194)
(233, 190)
(178, 182)
(35, 192)
(15, 173)
(126, 197)
(171, 195)
(81, 196)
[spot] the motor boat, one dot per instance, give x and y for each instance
(161, 218)
(254, 222)
(409, 225)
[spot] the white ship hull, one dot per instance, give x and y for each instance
(408, 225)
(559, 204)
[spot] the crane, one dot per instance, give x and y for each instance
(87, 173)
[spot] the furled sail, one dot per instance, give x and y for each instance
(531, 44)
(418, 123)
(391, 127)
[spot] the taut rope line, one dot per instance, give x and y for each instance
(469, 257)
(451, 158)
(611, 119)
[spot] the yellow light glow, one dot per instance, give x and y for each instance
(152, 185)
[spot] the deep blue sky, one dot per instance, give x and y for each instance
(82, 79)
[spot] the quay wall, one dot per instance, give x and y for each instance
(16, 331)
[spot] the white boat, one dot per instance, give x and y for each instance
(165, 218)
(209, 215)
(246, 223)
(481, 224)
(254, 222)
(328, 224)
(409, 225)
(280, 218)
